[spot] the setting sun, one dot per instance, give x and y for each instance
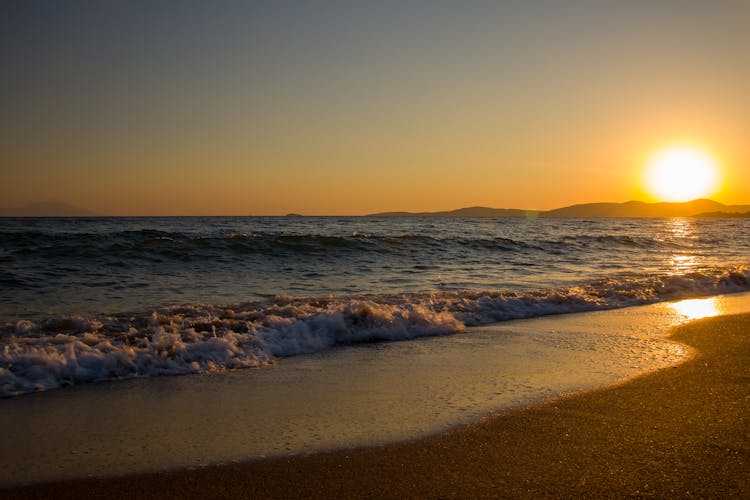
(682, 174)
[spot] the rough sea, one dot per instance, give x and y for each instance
(91, 299)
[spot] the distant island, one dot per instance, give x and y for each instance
(725, 215)
(54, 208)
(461, 212)
(695, 208)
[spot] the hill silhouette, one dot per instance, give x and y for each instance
(460, 212)
(54, 208)
(695, 208)
(725, 215)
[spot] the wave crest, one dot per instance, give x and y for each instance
(199, 338)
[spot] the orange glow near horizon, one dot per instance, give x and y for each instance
(682, 173)
(413, 107)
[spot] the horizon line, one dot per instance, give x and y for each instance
(389, 213)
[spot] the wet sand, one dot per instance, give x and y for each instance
(351, 397)
(678, 432)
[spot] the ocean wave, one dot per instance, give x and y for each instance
(147, 244)
(199, 338)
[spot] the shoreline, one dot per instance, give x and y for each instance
(680, 431)
(355, 397)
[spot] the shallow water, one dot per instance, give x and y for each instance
(352, 395)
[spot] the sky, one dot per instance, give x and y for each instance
(353, 107)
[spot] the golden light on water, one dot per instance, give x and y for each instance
(682, 264)
(697, 308)
(682, 173)
(682, 230)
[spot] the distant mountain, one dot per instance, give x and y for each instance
(725, 215)
(642, 209)
(461, 212)
(695, 208)
(46, 209)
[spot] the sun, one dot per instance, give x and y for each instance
(682, 173)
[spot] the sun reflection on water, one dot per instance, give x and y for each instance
(684, 263)
(682, 230)
(697, 308)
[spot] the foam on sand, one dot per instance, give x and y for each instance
(354, 395)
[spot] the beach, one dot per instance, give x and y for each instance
(374, 250)
(680, 431)
(349, 356)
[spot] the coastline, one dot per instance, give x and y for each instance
(680, 431)
(352, 397)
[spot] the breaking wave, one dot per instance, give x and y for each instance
(198, 338)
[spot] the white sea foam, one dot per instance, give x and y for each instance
(198, 338)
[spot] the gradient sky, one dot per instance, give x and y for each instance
(351, 107)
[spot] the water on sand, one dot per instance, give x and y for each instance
(347, 317)
(356, 395)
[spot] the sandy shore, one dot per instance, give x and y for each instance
(679, 432)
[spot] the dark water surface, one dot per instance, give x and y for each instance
(102, 265)
(84, 300)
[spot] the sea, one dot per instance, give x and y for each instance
(86, 300)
